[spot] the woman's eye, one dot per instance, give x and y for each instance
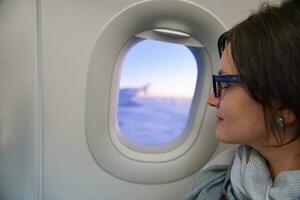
(225, 85)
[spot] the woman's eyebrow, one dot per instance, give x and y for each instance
(221, 72)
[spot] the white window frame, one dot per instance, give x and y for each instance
(151, 166)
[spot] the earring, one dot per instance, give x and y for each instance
(280, 122)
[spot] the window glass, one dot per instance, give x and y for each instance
(156, 89)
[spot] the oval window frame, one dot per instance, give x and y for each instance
(145, 152)
(149, 167)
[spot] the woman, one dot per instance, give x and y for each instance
(257, 97)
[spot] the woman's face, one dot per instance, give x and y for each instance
(240, 119)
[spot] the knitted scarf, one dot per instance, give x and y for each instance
(245, 177)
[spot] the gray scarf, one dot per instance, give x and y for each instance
(245, 177)
(250, 178)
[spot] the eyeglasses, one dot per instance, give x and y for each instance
(218, 80)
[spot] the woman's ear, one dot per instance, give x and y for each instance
(288, 116)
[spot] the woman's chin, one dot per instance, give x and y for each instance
(224, 137)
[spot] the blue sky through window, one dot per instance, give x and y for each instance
(170, 69)
(157, 84)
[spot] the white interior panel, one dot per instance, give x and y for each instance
(18, 100)
(45, 50)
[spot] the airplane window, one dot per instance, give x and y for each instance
(156, 89)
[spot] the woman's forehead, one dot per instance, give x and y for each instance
(227, 65)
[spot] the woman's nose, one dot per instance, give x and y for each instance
(213, 101)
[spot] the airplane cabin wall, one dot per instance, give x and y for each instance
(45, 48)
(19, 129)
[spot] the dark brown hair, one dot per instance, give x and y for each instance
(266, 51)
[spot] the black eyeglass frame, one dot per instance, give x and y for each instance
(218, 79)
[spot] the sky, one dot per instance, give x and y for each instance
(170, 69)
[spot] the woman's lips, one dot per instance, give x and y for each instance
(219, 119)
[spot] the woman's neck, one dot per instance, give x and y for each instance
(283, 158)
